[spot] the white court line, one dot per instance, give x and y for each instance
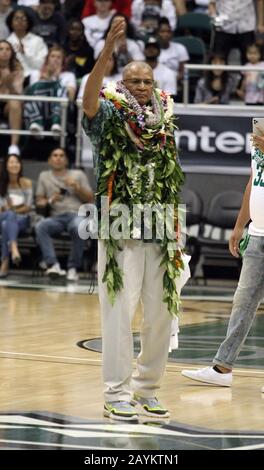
(252, 447)
(79, 361)
(210, 298)
(17, 355)
(49, 444)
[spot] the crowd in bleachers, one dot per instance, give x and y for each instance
(48, 48)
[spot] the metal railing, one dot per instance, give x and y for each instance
(191, 67)
(78, 134)
(64, 105)
(180, 108)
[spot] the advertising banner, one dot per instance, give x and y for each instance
(213, 139)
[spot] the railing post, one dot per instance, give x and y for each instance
(185, 85)
(78, 134)
(64, 107)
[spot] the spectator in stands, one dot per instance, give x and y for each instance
(252, 86)
(164, 77)
(63, 191)
(118, 5)
(15, 205)
(30, 49)
(50, 81)
(72, 9)
(49, 24)
(126, 48)
(5, 9)
(96, 25)
(172, 54)
(260, 22)
(155, 8)
(250, 289)
(217, 85)
(11, 82)
(111, 75)
(235, 26)
(149, 24)
(79, 54)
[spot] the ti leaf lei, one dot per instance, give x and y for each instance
(138, 164)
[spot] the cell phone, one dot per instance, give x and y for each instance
(63, 191)
(258, 126)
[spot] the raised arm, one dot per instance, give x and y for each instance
(95, 79)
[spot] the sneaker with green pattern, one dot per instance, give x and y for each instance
(120, 410)
(149, 407)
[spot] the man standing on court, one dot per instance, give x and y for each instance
(132, 132)
(250, 290)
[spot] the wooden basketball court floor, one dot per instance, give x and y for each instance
(51, 386)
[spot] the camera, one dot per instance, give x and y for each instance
(63, 191)
(219, 21)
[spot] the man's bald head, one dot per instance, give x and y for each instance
(138, 79)
(135, 67)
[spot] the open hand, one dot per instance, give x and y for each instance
(234, 242)
(117, 30)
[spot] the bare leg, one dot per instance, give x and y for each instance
(4, 266)
(13, 110)
(224, 370)
(14, 250)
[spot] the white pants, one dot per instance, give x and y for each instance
(143, 279)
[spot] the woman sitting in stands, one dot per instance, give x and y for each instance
(52, 80)
(11, 83)
(30, 48)
(15, 206)
(217, 85)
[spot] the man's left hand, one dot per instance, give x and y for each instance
(72, 183)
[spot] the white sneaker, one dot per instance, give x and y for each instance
(262, 390)
(210, 376)
(36, 128)
(43, 265)
(56, 129)
(72, 275)
(55, 271)
(13, 150)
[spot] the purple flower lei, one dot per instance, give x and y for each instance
(143, 121)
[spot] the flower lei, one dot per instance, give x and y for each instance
(138, 165)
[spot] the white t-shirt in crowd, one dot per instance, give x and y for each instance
(165, 79)
(167, 9)
(256, 203)
(28, 3)
(95, 27)
(173, 56)
(133, 48)
(112, 78)
(67, 79)
(32, 3)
